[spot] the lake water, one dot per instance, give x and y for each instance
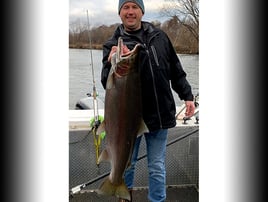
(81, 75)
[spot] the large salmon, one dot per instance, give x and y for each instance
(122, 119)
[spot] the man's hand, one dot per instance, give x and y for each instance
(114, 49)
(190, 108)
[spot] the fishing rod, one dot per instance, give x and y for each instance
(96, 122)
(95, 103)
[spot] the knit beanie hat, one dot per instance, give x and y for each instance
(138, 2)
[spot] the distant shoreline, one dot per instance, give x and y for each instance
(99, 47)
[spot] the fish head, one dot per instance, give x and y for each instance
(122, 63)
(126, 61)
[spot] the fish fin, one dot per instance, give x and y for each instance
(143, 128)
(104, 156)
(107, 188)
(101, 128)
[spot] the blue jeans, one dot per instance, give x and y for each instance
(156, 154)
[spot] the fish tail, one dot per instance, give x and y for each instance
(107, 188)
(122, 192)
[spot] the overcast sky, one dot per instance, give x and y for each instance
(106, 11)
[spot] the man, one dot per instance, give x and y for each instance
(159, 66)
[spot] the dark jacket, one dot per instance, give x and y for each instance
(160, 67)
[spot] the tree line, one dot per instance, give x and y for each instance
(182, 27)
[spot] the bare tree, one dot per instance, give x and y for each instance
(77, 32)
(182, 27)
(186, 12)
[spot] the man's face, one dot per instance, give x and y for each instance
(131, 15)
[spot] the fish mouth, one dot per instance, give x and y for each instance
(122, 55)
(123, 61)
(130, 53)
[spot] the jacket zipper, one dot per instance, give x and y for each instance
(152, 73)
(153, 78)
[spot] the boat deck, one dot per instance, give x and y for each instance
(174, 194)
(182, 161)
(182, 164)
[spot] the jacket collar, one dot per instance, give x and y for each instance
(147, 28)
